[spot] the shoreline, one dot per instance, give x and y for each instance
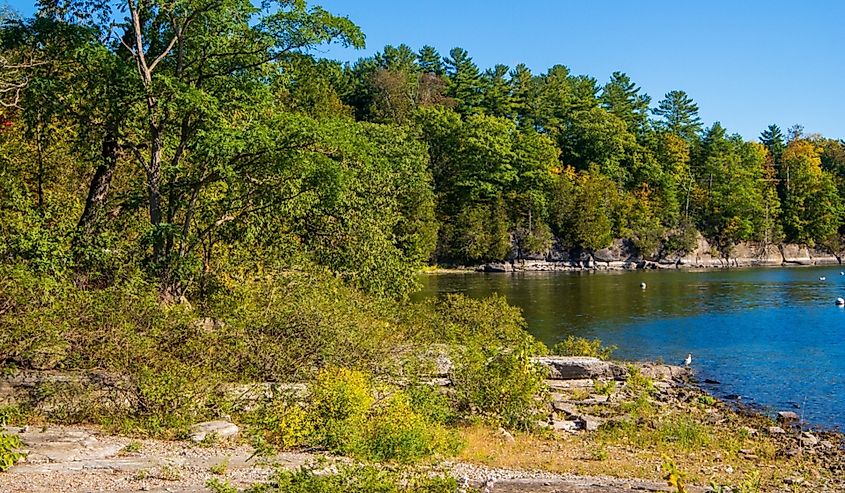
(527, 266)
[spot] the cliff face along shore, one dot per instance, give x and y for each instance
(622, 255)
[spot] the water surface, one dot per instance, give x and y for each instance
(771, 335)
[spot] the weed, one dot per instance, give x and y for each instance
(579, 346)
(131, 447)
(605, 388)
(169, 472)
(675, 478)
(218, 486)
(220, 468)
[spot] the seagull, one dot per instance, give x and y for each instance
(642, 285)
(841, 273)
(822, 278)
(688, 361)
(840, 301)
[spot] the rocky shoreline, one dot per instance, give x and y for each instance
(587, 400)
(622, 255)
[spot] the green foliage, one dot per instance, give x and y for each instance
(10, 446)
(580, 346)
(500, 386)
(344, 416)
(357, 479)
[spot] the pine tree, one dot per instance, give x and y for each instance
(622, 98)
(680, 115)
(430, 61)
(464, 81)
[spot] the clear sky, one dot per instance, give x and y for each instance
(747, 63)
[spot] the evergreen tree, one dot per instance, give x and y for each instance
(464, 81)
(430, 61)
(496, 92)
(772, 139)
(622, 98)
(680, 115)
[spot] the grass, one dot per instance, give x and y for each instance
(647, 435)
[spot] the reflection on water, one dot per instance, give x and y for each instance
(773, 336)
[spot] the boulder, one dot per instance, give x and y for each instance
(218, 428)
(787, 416)
(580, 368)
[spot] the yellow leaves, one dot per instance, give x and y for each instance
(674, 477)
(804, 156)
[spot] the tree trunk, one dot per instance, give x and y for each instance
(98, 190)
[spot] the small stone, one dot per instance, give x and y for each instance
(749, 431)
(590, 423)
(506, 436)
(729, 470)
(808, 439)
(826, 444)
(775, 430)
(220, 429)
(793, 480)
(786, 416)
(571, 426)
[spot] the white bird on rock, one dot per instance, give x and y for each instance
(688, 361)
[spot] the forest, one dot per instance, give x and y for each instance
(209, 139)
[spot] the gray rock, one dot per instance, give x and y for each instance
(580, 368)
(590, 423)
(571, 426)
(786, 416)
(219, 428)
(775, 430)
(808, 439)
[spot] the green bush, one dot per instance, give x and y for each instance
(357, 479)
(395, 432)
(9, 449)
(500, 386)
(344, 417)
(341, 402)
(579, 346)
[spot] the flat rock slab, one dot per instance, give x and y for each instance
(581, 368)
(218, 429)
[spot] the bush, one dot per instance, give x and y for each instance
(9, 446)
(357, 479)
(341, 401)
(344, 417)
(579, 346)
(500, 386)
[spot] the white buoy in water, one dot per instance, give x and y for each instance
(642, 285)
(688, 361)
(840, 301)
(822, 278)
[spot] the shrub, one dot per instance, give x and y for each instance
(579, 346)
(357, 479)
(501, 387)
(341, 402)
(9, 449)
(396, 432)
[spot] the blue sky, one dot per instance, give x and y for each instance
(746, 63)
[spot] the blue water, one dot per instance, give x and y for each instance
(772, 336)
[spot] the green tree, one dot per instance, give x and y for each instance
(464, 81)
(622, 98)
(679, 115)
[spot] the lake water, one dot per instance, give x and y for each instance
(771, 335)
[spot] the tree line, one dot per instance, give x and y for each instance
(195, 140)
